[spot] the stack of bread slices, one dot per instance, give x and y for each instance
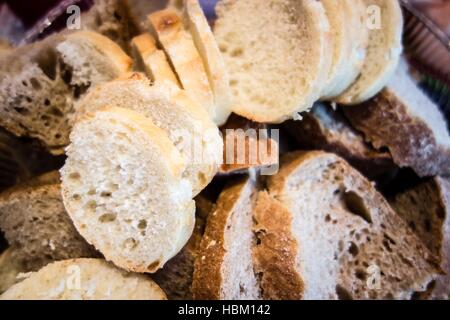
(145, 208)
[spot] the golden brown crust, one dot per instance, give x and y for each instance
(385, 121)
(207, 281)
(276, 250)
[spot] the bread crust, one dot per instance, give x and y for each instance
(402, 133)
(275, 251)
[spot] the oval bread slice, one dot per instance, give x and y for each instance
(275, 52)
(186, 124)
(383, 52)
(122, 186)
(84, 279)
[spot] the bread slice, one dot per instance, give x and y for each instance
(34, 221)
(40, 82)
(326, 129)
(206, 45)
(124, 190)
(224, 266)
(272, 84)
(184, 57)
(187, 125)
(426, 209)
(176, 276)
(10, 269)
(326, 233)
(383, 52)
(84, 279)
(413, 128)
(152, 60)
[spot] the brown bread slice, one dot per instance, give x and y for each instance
(224, 266)
(339, 238)
(426, 209)
(326, 129)
(404, 120)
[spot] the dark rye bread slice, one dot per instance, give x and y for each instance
(326, 129)
(339, 238)
(404, 120)
(426, 209)
(34, 220)
(224, 266)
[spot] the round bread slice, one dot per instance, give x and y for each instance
(383, 52)
(122, 186)
(186, 124)
(276, 54)
(339, 238)
(84, 279)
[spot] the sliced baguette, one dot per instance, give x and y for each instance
(339, 238)
(123, 188)
(426, 209)
(211, 56)
(413, 128)
(184, 57)
(383, 52)
(272, 84)
(224, 266)
(326, 129)
(84, 279)
(187, 124)
(153, 60)
(34, 221)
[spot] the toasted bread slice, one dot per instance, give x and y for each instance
(211, 56)
(124, 190)
(348, 245)
(426, 209)
(184, 57)
(187, 125)
(276, 53)
(84, 279)
(153, 60)
(383, 53)
(224, 266)
(404, 120)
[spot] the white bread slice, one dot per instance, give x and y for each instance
(84, 279)
(224, 265)
(413, 128)
(40, 82)
(211, 56)
(326, 233)
(122, 186)
(153, 60)
(383, 53)
(277, 55)
(186, 124)
(184, 57)
(426, 209)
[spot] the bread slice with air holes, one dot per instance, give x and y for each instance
(385, 23)
(426, 209)
(152, 60)
(324, 232)
(414, 130)
(34, 220)
(184, 57)
(122, 186)
(40, 82)
(186, 124)
(224, 265)
(84, 279)
(206, 44)
(326, 129)
(272, 84)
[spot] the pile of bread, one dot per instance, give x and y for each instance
(145, 208)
